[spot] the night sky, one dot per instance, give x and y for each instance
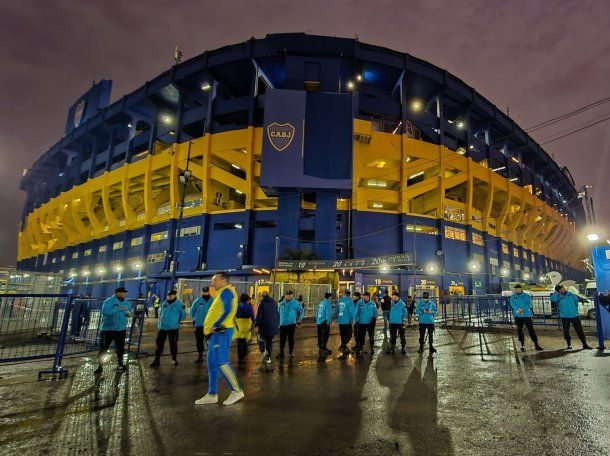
(542, 58)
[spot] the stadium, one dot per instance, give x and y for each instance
(298, 152)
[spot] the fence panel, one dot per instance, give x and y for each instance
(53, 326)
(495, 310)
(29, 325)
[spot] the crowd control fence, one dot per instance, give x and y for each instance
(39, 326)
(495, 310)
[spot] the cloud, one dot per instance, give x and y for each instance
(540, 58)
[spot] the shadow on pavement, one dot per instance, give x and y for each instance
(415, 411)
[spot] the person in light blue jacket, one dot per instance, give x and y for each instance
(199, 309)
(398, 314)
(426, 311)
(366, 318)
(172, 313)
(291, 314)
(115, 311)
(568, 312)
(323, 320)
(345, 313)
(521, 304)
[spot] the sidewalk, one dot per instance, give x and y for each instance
(478, 395)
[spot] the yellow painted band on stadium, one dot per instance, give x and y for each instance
(147, 192)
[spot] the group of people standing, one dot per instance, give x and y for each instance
(221, 319)
(567, 306)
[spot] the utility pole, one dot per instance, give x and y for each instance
(277, 252)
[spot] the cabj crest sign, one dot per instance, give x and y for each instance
(280, 135)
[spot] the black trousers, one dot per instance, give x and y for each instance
(363, 329)
(106, 339)
(345, 332)
(565, 322)
(527, 321)
(287, 331)
(395, 330)
(172, 334)
(199, 339)
(265, 343)
(323, 334)
(423, 327)
(242, 348)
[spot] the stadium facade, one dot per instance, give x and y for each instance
(298, 145)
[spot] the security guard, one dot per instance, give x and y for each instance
(398, 313)
(568, 312)
(521, 303)
(426, 311)
(323, 321)
(366, 317)
(291, 313)
(115, 311)
(198, 311)
(218, 327)
(345, 313)
(172, 313)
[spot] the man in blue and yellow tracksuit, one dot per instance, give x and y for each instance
(345, 313)
(426, 311)
(198, 311)
(323, 320)
(568, 312)
(521, 303)
(115, 311)
(366, 318)
(396, 318)
(218, 327)
(291, 313)
(172, 313)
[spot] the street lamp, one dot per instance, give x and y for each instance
(593, 237)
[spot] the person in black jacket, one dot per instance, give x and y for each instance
(386, 305)
(410, 309)
(267, 321)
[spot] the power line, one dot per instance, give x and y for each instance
(554, 120)
(576, 131)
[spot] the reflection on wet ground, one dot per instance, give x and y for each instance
(478, 395)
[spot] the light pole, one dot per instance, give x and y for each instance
(184, 179)
(277, 253)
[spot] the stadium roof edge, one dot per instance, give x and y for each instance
(190, 66)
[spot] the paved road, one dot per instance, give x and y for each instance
(478, 395)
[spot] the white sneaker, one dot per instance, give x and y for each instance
(265, 356)
(268, 360)
(234, 397)
(207, 399)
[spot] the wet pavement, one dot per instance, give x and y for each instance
(477, 395)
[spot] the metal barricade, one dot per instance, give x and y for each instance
(310, 293)
(53, 326)
(495, 310)
(30, 325)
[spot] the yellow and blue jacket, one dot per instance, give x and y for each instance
(222, 311)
